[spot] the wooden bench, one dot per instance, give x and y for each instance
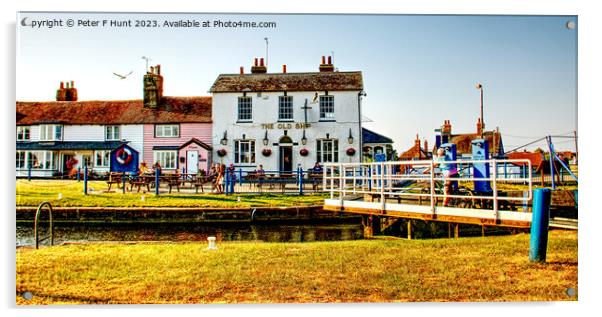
(141, 180)
(174, 180)
(115, 178)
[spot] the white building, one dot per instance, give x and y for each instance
(285, 120)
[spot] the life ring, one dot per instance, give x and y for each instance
(123, 156)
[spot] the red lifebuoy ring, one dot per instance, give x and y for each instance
(123, 156)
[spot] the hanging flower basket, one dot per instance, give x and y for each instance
(304, 152)
(351, 151)
(221, 152)
(266, 152)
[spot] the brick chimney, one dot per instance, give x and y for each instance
(426, 146)
(417, 143)
(479, 126)
(284, 69)
(326, 67)
(446, 128)
(153, 87)
(259, 68)
(66, 92)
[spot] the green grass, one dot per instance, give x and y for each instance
(31, 193)
(380, 270)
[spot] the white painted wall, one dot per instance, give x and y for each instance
(265, 110)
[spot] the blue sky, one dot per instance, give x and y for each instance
(418, 70)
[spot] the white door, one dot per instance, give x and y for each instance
(192, 162)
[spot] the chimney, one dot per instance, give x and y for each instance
(479, 126)
(426, 146)
(66, 92)
(61, 93)
(417, 142)
(284, 69)
(153, 88)
(326, 67)
(446, 129)
(242, 70)
(259, 69)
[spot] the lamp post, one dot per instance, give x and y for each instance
(480, 87)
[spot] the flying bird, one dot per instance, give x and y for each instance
(123, 76)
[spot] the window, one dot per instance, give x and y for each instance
(245, 109)
(167, 159)
(328, 150)
(51, 132)
(23, 134)
(285, 108)
(112, 133)
(41, 160)
(327, 107)
(103, 158)
(167, 131)
(244, 151)
(21, 159)
(87, 160)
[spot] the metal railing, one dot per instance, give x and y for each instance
(423, 180)
(36, 221)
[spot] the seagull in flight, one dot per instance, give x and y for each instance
(123, 76)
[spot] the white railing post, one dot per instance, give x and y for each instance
(354, 178)
(342, 179)
(495, 202)
(432, 187)
(382, 186)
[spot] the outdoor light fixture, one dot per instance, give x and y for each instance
(265, 138)
(327, 136)
(350, 138)
(224, 140)
(303, 139)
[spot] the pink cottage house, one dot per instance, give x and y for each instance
(181, 141)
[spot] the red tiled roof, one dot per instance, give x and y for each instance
(171, 110)
(415, 152)
(320, 81)
(535, 158)
(464, 141)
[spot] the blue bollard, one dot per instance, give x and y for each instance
(79, 170)
(227, 184)
(232, 182)
(85, 180)
(300, 173)
(539, 224)
(157, 182)
(29, 173)
(123, 182)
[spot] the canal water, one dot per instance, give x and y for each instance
(178, 232)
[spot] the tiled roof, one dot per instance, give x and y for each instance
(320, 81)
(369, 136)
(171, 110)
(464, 141)
(535, 158)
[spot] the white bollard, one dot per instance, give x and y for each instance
(60, 196)
(212, 245)
(142, 198)
(238, 198)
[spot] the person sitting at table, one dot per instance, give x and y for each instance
(317, 168)
(157, 167)
(260, 171)
(143, 168)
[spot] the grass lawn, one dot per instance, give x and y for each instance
(379, 270)
(31, 193)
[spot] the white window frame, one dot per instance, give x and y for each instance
(327, 107)
(47, 160)
(327, 150)
(168, 159)
(102, 158)
(285, 108)
(167, 131)
(244, 151)
(112, 133)
(23, 133)
(21, 157)
(55, 131)
(245, 115)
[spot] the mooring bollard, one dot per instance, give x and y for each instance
(539, 224)
(85, 180)
(212, 244)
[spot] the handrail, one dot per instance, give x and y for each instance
(349, 177)
(35, 224)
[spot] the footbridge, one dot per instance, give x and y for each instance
(415, 190)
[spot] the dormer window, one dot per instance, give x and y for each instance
(23, 134)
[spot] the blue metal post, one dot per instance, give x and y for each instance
(85, 180)
(240, 174)
(227, 184)
(300, 173)
(539, 224)
(232, 182)
(123, 182)
(549, 139)
(157, 181)
(79, 169)
(370, 178)
(29, 173)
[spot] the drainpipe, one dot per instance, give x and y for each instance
(359, 114)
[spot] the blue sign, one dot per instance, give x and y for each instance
(124, 159)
